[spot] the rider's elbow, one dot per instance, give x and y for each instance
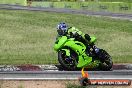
(87, 37)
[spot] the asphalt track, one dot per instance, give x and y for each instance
(51, 72)
(66, 75)
(71, 11)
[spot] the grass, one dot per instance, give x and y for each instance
(27, 37)
(74, 86)
(20, 86)
(116, 0)
(18, 2)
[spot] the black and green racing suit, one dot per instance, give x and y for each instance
(80, 36)
(73, 32)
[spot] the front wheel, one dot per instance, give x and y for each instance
(68, 62)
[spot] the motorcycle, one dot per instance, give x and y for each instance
(73, 55)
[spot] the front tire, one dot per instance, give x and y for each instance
(71, 65)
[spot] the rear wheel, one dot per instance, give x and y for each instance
(106, 60)
(68, 62)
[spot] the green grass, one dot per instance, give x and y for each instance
(69, 85)
(27, 37)
(19, 2)
(116, 0)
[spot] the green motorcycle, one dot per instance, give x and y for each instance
(73, 55)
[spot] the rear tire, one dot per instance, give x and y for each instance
(70, 66)
(106, 60)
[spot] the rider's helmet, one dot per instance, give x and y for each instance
(62, 28)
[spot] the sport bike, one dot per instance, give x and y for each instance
(73, 55)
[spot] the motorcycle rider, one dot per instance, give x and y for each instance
(72, 32)
(64, 30)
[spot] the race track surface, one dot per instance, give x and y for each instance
(64, 75)
(71, 11)
(52, 72)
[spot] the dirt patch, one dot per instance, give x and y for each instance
(35, 84)
(29, 68)
(49, 84)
